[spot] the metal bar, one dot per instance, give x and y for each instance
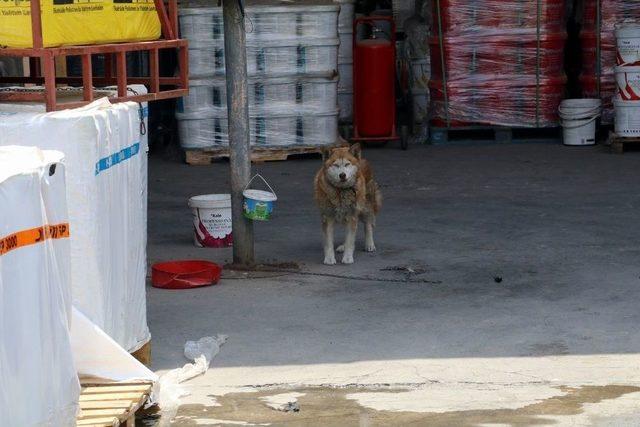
(121, 73)
(238, 114)
(87, 78)
(154, 71)
(95, 49)
(97, 81)
(40, 97)
(167, 29)
(183, 63)
(173, 16)
(49, 82)
(36, 24)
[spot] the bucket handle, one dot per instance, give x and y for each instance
(263, 180)
(581, 121)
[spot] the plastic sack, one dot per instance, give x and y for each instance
(497, 62)
(201, 353)
(38, 382)
(598, 41)
(107, 183)
(76, 22)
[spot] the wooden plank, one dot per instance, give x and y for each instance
(111, 396)
(205, 157)
(139, 388)
(101, 413)
(107, 404)
(105, 421)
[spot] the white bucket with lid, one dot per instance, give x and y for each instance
(211, 220)
(628, 43)
(627, 117)
(578, 118)
(628, 82)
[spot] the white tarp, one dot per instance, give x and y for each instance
(98, 355)
(106, 192)
(38, 381)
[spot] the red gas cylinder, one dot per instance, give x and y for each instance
(374, 87)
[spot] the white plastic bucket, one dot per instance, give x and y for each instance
(627, 117)
(628, 43)
(211, 220)
(578, 119)
(628, 81)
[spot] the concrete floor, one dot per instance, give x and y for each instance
(556, 342)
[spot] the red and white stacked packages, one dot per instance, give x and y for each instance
(497, 62)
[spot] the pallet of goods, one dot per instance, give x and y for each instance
(292, 62)
(602, 21)
(497, 63)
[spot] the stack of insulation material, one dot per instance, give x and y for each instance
(497, 62)
(598, 39)
(345, 59)
(38, 380)
(106, 163)
(292, 52)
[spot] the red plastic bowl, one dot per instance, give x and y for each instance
(185, 274)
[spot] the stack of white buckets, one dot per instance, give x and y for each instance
(627, 99)
(345, 59)
(292, 53)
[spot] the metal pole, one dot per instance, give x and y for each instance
(235, 57)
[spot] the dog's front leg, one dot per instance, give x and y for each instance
(369, 244)
(327, 235)
(350, 241)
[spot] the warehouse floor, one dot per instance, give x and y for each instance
(423, 332)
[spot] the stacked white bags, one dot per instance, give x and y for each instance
(38, 381)
(291, 62)
(106, 163)
(416, 51)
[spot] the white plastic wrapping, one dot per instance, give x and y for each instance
(269, 57)
(199, 131)
(107, 184)
(264, 21)
(304, 94)
(38, 382)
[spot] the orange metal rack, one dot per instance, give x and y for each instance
(42, 62)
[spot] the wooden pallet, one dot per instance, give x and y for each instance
(205, 157)
(107, 403)
(143, 354)
(495, 134)
(621, 144)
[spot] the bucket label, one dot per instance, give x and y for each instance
(212, 227)
(628, 84)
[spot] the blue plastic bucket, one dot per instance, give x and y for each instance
(258, 204)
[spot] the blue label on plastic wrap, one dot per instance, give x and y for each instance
(119, 157)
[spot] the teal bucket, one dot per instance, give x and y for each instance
(258, 204)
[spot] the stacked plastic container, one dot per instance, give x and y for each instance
(292, 60)
(497, 62)
(598, 39)
(345, 59)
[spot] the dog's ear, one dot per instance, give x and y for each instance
(356, 150)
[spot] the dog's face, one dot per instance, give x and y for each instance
(341, 166)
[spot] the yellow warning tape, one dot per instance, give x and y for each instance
(33, 236)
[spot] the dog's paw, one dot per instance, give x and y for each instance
(347, 258)
(370, 248)
(340, 248)
(330, 259)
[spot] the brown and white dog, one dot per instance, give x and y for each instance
(346, 192)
